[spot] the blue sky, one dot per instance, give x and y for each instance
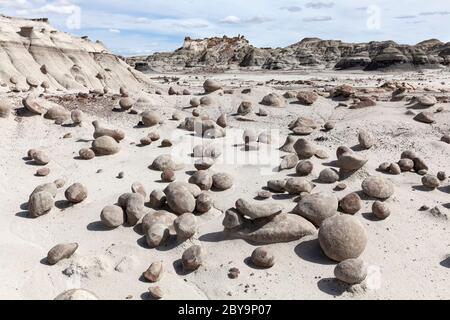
(141, 27)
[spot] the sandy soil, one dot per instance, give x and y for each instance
(408, 252)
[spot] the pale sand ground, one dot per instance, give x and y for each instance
(410, 248)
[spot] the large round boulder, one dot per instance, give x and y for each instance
(342, 237)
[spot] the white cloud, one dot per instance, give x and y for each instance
(114, 30)
(292, 8)
(319, 5)
(231, 20)
(252, 20)
(317, 19)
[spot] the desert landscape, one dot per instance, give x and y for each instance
(222, 170)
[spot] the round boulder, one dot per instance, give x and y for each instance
(112, 216)
(351, 271)
(211, 85)
(378, 187)
(342, 237)
(350, 204)
(76, 193)
(192, 258)
(263, 257)
(105, 145)
(222, 181)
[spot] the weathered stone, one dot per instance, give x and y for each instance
(317, 207)
(342, 237)
(378, 187)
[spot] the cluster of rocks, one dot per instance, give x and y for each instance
(41, 201)
(411, 162)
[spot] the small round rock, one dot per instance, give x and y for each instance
(430, 181)
(154, 272)
(185, 225)
(192, 258)
(263, 257)
(351, 271)
(222, 181)
(264, 194)
(61, 251)
(42, 172)
(86, 154)
(442, 176)
(76, 193)
(380, 210)
(168, 175)
(328, 175)
(304, 168)
(350, 204)
(203, 203)
(112, 216)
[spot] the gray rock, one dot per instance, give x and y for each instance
(202, 179)
(233, 219)
(289, 161)
(165, 162)
(430, 182)
(406, 165)
(380, 210)
(317, 207)
(263, 257)
(256, 210)
(40, 203)
(277, 186)
(211, 86)
(350, 204)
(378, 187)
(351, 271)
(298, 185)
(135, 208)
(366, 139)
(328, 175)
(112, 216)
(185, 226)
(342, 237)
(105, 145)
(60, 252)
(157, 199)
(203, 203)
(180, 200)
(304, 168)
(76, 193)
(154, 272)
(350, 161)
(288, 145)
(304, 148)
(192, 258)
(281, 228)
(222, 181)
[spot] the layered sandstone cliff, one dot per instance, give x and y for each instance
(33, 52)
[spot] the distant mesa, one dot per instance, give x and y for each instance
(224, 53)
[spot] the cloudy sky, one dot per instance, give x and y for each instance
(144, 26)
